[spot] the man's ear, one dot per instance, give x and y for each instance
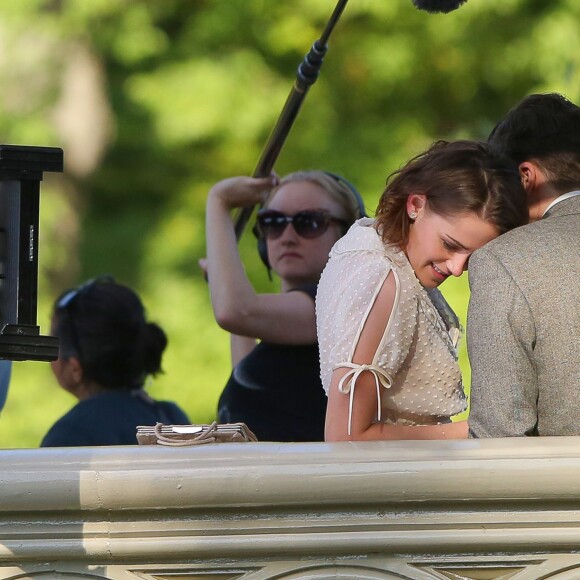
(531, 175)
(539, 188)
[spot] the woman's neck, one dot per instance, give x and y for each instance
(87, 390)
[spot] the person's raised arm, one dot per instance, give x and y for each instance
(352, 409)
(240, 346)
(286, 318)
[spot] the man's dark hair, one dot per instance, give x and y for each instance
(544, 128)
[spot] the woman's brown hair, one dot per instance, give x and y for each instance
(456, 177)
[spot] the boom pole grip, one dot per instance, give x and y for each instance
(306, 76)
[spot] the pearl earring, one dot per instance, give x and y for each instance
(413, 215)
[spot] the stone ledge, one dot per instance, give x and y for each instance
(502, 504)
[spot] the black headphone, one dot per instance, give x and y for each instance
(262, 246)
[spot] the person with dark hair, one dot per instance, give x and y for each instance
(274, 387)
(523, 329)
(107, 351)
(387, 337)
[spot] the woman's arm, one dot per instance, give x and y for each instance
(365, 403)
(240, 347)
(281, 318)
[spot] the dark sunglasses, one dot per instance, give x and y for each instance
(308, 224)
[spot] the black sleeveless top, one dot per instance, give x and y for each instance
(276, 390)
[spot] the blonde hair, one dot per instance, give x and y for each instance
(334, 186)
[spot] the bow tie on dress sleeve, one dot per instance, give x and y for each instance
(347, 384)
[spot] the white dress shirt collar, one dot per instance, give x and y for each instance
(559, 199)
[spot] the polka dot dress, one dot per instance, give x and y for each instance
(415, 365)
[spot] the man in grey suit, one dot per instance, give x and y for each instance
(523, 324)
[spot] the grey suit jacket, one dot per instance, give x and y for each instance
(523, 329)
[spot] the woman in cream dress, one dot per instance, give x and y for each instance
(387, 337)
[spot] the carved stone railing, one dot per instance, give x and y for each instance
(494, 509)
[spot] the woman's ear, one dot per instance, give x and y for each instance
(69, 374)
(416, 203)
(75, 369)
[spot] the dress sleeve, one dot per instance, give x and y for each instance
(356, 331)
(347, 384)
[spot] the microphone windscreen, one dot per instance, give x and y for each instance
(438, 5)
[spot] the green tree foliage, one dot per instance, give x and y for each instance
(154, 101)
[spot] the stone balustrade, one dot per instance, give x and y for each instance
(481, 510)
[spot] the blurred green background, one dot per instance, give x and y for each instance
(153, 102)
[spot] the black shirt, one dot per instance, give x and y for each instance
(111, 418)
(276, 391)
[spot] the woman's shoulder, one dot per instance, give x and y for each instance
(363, 237)
(73, 428)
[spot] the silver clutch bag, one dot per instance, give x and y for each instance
(184, 435)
